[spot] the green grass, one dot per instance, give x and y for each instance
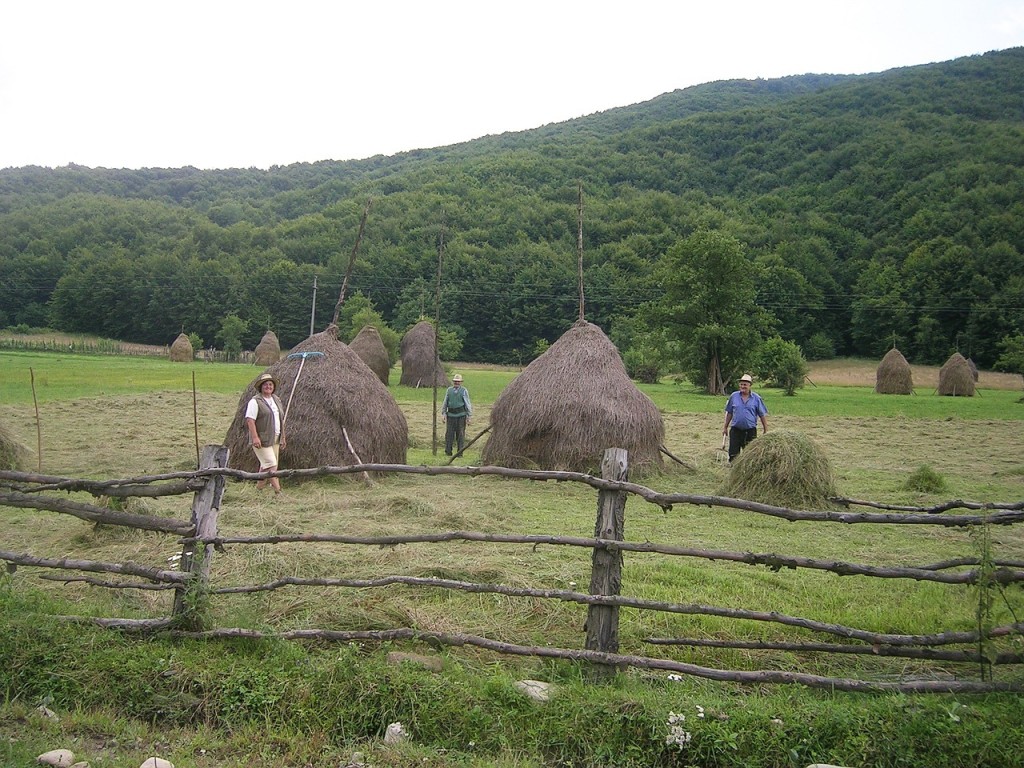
(275, 703)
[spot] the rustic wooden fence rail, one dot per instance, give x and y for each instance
(191, 582)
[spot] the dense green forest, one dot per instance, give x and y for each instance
(870, 210)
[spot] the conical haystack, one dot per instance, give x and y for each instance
(956, 378)
(570, 405)
(335, 391)
(268, 351)
(181, 350)
(370, 348)
(420, 366)
(13, 454)
(893, 376)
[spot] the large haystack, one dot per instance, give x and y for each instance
(893, 376)
(570, 405)
(420, 366)
(956, 378)
(370, 348)
(782, 468)
(13, 455)
(268, 351)
(335, 391)
(181, 350)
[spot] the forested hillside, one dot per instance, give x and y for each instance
(871, 210)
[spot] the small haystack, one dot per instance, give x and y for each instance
(181, 350)
(420, 366)
(955, 377)
(335, 391)
(268, 351)
(893, 376)
(570, 405)
(13, 455)
(370, 348)
(783, 468)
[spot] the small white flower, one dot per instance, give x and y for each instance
(700, 711)
(675, 678)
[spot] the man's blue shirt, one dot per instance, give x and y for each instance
(744, 414)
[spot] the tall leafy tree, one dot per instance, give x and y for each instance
(710, 307)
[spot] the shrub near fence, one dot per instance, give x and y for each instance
(194, 582)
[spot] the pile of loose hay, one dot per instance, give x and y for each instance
(783, 468)
(893, 375)
(13, 454)
(181, 350)
(956, 378)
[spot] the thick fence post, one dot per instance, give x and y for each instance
(195, 557)
(606, 574)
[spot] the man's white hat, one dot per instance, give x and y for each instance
(747, 378)
(457, 377)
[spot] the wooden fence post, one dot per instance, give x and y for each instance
(602, 625)
(205, 508)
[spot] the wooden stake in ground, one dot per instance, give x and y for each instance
(39, 428)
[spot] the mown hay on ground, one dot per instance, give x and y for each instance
(13, 455)
(181, 350)
(956, 378)
(268, 351)
(421, 367)
(370, 348)
(782, 468)
(893, 375)
(335, 392)
(570, 405)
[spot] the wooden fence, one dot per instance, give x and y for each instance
(192, 583)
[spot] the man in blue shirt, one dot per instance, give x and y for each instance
(742, 411)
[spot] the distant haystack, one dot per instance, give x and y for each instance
(570, 405)
(181, 350)
(955, 377)
(784, 468)
(893, 376)
(268, 351)
(13, 454)
(420, 366)
(370, 348)
(336, 391)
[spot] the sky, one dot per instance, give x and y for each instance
(226, 84)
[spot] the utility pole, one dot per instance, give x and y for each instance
(312, 311)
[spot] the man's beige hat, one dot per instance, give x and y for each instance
(747, 378)
(457, 377)
(263, 378)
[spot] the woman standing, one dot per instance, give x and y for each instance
(264, 420)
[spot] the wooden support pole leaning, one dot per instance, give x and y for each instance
(606, 575)
(205, 509)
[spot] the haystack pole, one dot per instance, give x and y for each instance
(437, 330)
(573, 402)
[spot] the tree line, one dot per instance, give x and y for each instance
(863, 211)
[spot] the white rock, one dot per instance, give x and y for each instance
(61, 758)
(535, 689)
(48, 713)
(157, 762)
(395, 733)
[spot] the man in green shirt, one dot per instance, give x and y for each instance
(456, 411)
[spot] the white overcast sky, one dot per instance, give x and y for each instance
(226, 84)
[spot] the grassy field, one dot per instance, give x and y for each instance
(107, 417)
